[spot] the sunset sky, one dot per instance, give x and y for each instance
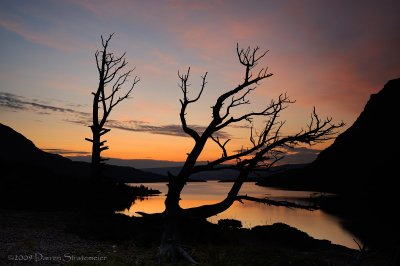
(327, 54)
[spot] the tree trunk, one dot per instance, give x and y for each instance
(172, 216)
(96, 162)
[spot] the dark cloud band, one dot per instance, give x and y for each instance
(67, 152)
(15, 102)
(19, 103)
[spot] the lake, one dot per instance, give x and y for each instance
(317, 224)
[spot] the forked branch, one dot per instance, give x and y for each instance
(185, 101)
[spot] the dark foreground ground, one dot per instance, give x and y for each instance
(65, 238)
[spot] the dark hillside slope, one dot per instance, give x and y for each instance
(362, 167)
(363, 159)
(33, 179)
(17, 149)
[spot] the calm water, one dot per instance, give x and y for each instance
(318, 224)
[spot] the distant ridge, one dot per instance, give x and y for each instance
(363, 159)
(221, 175)
(135, 163)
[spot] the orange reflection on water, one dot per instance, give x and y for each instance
(156, 204)
(316, 223)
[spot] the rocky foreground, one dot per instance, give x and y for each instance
(61, 238)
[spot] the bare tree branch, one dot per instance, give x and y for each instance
(185, 101)
(265, 144)
(282, 203)
(110, 69)
(221, 145)
(272, 109)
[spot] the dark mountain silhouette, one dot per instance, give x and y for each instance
(362, 159)
(361, 168)
(221, 175)
(18, 150)
(33, 179)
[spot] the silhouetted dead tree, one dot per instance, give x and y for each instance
(112, 78)
(265, 148)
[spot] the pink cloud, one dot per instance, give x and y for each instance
(211, 40)
(335, 63)
(163, 57)
(319, 59)
(190, 5)
(56, 41)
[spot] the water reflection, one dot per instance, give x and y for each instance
(318, 224)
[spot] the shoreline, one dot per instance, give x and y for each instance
(48, 235)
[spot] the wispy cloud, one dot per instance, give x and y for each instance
(141, 126)
(303, 150)
(300, 155)
(67, 152)
(50, 39)
(19, 103)
(240, 126)
(171, 130)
